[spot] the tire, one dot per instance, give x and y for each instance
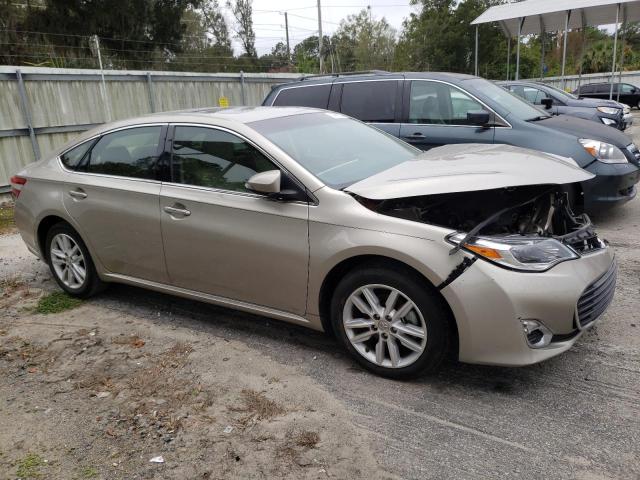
(62, 246)
(427, 315)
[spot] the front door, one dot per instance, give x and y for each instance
(223, 240)
(113, 197)
(435, 113)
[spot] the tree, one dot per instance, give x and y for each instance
(362, 42)
(215, 24)
(242, 12)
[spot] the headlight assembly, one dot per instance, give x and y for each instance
(533, 254)
(605, 152)
(609, 110)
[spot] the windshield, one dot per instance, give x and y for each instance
(562, 92)
(502, 99)
(337, 149)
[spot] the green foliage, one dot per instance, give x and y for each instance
(57, 302)
(29, 466)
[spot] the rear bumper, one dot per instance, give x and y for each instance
(490, 302)
(612, 185)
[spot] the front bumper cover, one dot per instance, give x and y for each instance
(489, 302)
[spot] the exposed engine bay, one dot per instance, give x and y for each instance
(532, 210)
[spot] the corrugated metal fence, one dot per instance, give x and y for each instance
(572, 81)
(42, 108)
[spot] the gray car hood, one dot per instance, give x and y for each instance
(469, 167)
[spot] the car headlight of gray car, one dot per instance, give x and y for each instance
(605, 152)
(533, 254)
(609, 110)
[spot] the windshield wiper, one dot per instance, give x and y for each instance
(538, 118)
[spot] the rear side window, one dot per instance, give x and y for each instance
(208, 157)
(72, 158)
(370, 101)
(316, 96)
(126, 153)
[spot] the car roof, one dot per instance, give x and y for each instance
(355, 77)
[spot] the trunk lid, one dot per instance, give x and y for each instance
(467, 168)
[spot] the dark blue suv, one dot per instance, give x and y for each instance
(431, 109)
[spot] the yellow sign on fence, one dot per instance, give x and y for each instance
(223, 102)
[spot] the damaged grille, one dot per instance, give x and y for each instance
(596, 297)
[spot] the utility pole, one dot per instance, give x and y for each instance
(320, 38)
(105, 97)
(286, 27)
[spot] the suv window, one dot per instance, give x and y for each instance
(208, 157)
(373, 101)
(439, 103)
(72, 158)
(626, 88)
(127, 153)
(316, 96)
(530, 94)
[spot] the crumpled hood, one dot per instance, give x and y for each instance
(582, 128)
(469, 167)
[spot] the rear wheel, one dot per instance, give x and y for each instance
(70, 262)
(390, 321)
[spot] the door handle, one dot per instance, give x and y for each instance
(416, 136)
(78, 193)
(177, 211)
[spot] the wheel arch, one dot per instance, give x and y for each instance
(332, 278)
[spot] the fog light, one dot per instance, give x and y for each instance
(538, 336)
(608, 121)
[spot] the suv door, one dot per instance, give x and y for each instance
(435, 113)
(221, 239)
(377, 102)
(629, 95)
(113, 198)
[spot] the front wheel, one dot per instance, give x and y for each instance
(70, 262)
(391, 321)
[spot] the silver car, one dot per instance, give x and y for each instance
(314, 218)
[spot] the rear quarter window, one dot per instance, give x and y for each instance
(370, 101)
(72, 158)
(316, 96)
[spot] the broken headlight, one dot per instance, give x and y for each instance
(534, 254)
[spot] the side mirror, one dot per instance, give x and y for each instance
(265, 182)
(479, 117)
(547, 103)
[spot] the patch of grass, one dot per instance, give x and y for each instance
(307, 439)
(88, 472)
(29, 466)
(57, 302)
(258, 406)
(7, 224)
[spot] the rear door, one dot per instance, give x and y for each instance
(223, 240)
(377, 102)
(113, 196)
(435, 113)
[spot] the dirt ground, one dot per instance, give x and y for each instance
(99, 389)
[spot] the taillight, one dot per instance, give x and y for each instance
(16, 185)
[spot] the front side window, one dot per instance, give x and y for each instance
(337, 149)
(208, 157)
(126, 153)
(316, 96)
(626, 88)
(370, 101)
(437, 103)
(534, 95)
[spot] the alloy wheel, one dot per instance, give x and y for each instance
(68, 261)
(385, 326)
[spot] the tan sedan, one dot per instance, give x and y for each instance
(314, 218)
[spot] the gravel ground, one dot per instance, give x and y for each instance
(97, 391)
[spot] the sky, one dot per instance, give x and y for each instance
(268, 18)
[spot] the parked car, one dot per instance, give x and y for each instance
(432, 109)
(555, 101)
(629, 94)
(314, 218)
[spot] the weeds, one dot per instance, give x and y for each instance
(29, 466)
(56, 302)
(7, 224)
(307, 439)
(258, 407)
(88, 472)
